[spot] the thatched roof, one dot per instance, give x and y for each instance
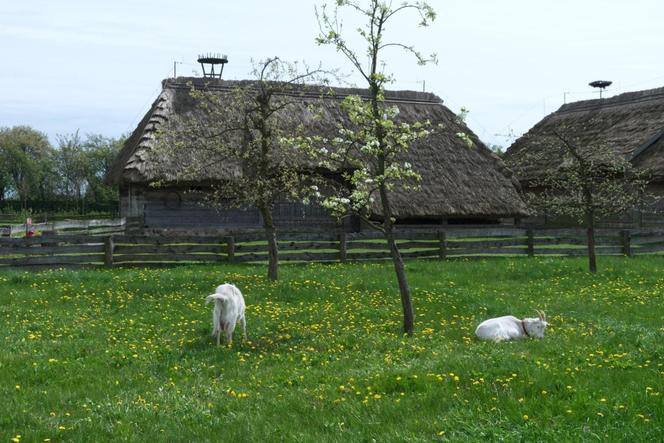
(456, 180)
(630, 125)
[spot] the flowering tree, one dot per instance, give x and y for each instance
(589, 182)
(241, 132)
(370, 148)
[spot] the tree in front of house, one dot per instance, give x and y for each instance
(370, 150)
(242, 132)
(591, 181)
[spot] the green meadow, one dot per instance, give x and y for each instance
(125, 354)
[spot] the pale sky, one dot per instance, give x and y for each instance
(97, 65)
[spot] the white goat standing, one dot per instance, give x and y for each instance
(510, 327)
(228, 310)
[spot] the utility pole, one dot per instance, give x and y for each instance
(175, 68)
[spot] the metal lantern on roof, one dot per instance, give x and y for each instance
(601, 85)
(210, 61)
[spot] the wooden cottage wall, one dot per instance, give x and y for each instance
(175, 208)
(132, 201)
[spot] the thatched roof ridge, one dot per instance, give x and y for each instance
(457, 180)
(634, 98)
(629, 124)
(308, 91)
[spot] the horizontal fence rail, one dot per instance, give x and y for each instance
(76, 250)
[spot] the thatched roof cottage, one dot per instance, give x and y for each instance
(459, 184)
(630, 125)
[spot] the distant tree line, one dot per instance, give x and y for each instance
(35, 175)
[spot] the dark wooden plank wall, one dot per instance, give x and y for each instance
(177, 209)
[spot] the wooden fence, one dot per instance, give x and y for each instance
(125, 250)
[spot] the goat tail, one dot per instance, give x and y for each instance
(214, 297)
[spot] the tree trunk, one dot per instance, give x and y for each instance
(590, 231)
(397, 260)
(24, 200)
(590, 226)
(388, 224)
(404, 289)
(272, 250)
(81, 208)
(592, 258)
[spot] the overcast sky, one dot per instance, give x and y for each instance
(96, 65)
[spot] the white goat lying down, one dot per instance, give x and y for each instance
(228, 310)
(510, 327)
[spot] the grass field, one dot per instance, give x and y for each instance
(125, 355)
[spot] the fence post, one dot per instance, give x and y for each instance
(530, 243)
(109, 246)
(625, 241)
(343, 246)
(442, 245)
(230, 244)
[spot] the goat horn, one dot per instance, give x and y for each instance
(539, 314)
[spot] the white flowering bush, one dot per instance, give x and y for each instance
(369, 154)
